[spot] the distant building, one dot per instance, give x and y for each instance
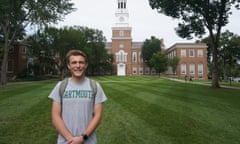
(128, 58)
(127, 54)
(17, 59)
(192, 60)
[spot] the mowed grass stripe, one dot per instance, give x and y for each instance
(15, 89)
(120, 125)
(139, 110)
(22, 98)
(160, 120)
(124, 78)
(175, 113)
(199, 106)
(25, 116)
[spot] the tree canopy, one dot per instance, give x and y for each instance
(228, 53)
(159, 61)
(54, 43)
(173, 62)
(16, 15)
(197, 17)
(150, 46)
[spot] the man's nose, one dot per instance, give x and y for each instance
(78, 64)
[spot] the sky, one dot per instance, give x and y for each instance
(145, 22)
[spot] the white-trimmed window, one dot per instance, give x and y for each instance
(134, 57)
(24, 50)
(121, 33)
(183, 68)
(134, 70)
(183, 53)
(200, 53)
(140, 70)
(174, 53)
(191, 53)
(200, 68)
(10, 66)
(192, 68)
(121, 56)
(147, 70)
(140, 57)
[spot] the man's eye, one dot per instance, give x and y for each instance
(80, 62)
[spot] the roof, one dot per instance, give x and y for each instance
(187, 45)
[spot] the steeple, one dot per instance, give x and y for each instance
(122, 4)
(121, 14)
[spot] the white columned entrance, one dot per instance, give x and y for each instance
(121, 69)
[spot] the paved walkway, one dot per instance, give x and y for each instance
(202, 83)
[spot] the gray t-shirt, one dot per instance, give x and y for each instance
(77, 107)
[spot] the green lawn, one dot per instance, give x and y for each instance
(139, 110)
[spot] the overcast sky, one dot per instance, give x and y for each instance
(145, 22)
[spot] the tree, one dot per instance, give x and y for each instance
(107, 64)
(159, 61)
(173, 62)
(63, 40)
(97, 52)
(150, 46)
(57, 42)
(42, 52)
(229, 51)
(16, 15)
(209, 48)
(197, 16)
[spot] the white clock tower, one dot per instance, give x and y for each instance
(122, 14)
(122, 40)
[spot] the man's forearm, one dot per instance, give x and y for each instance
(95, 121)
(61, 128)
(58, 121)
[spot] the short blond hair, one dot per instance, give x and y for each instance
(76, 53)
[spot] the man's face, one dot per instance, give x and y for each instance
(77, 65)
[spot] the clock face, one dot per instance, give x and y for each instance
(121, 46)
(121, 19)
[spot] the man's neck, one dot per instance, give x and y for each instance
(78, 79)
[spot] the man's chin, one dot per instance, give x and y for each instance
(78, 75)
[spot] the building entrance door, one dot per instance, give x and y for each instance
(121, 69)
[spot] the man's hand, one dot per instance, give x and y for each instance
(76, 140)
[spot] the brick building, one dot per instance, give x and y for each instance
(192, 60)
(17, 59)
(127, 54)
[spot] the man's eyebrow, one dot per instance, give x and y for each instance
(75, 61)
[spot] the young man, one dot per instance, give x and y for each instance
(77, 113)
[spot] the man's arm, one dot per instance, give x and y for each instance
(96, 119)
(59, 123)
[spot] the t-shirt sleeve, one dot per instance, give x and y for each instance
(54, 95)
(100, 95)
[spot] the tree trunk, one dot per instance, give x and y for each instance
(215, 83)
(224, 71)
(4, 62)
